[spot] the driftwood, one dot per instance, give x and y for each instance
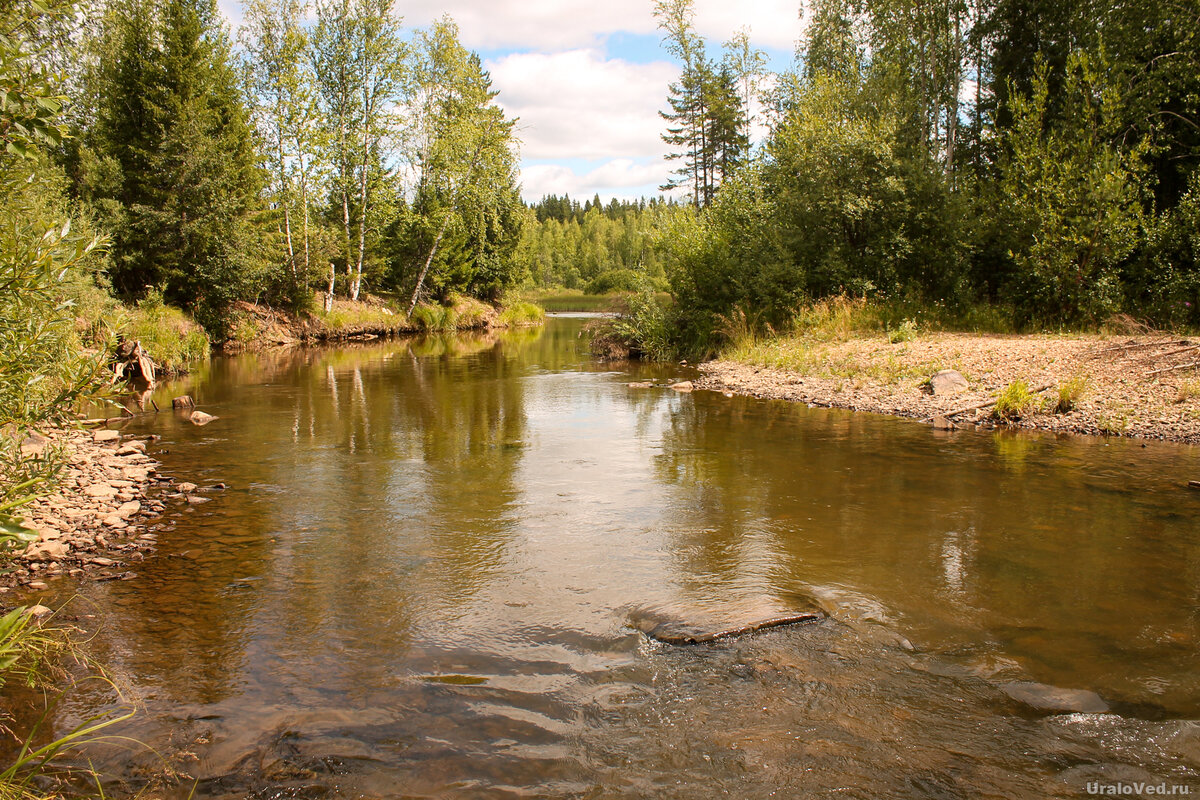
(673, 633)
(133, 364)
(1175, 368)
(1137, 346)
(979, 406)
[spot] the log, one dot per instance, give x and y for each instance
(671, 633)
(1194, 484)
(1175, 368)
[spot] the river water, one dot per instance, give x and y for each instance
(425, 577)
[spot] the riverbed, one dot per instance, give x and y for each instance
(426, 576)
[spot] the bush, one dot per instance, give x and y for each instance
(616, 280)
(645, 328)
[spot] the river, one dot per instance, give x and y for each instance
(424, 578)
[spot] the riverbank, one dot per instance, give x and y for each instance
(257, 327)
(1138, 386)
(98, 520)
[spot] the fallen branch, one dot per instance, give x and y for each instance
(980, 406)
(1174, 368)
(1177, 352)
(669, 633)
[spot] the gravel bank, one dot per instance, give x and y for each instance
(1143, 387)
(95, 524)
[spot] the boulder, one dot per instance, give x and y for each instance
(200, 418)
(682, 386)
(185, 401)
(104, 436)
(47, 551)
(941, 423)
(948, 381)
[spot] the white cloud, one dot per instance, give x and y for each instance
(546, 25)
(772, 23)
(549, 25)
(579, 104)
(622, 178)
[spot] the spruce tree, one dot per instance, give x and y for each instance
(179, 176)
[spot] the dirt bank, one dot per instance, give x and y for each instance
(97, 522)
(1145, 387)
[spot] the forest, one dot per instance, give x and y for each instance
(1032, 163)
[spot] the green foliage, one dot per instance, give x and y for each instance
(168, 334)
(616, 280)
(1071, 198)
(44, 373)
(645, 328)
(169, 162)
(1014, 401)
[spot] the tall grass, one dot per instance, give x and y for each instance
(521, 312)
(32, 654)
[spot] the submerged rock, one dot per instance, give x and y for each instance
(200, 418)
(1054, 698)
(683, 386)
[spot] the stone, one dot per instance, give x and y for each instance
(187, 488)
(682, 386)
(948, 381)
(132, 448)
(941, 423)
(47, 550)
(1053, 698)
(640, 385)
(100, 490)
(105, 436)
(184, 401)
(200, 418)
(127, 510)
(196, 500)
(101, 561)
(34, 445)
(38, 611)
(37, 586)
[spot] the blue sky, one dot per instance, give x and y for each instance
(587, 79)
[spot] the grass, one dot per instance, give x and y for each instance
(1071, 392)
(171, 337)
(1015, 400)
(570, 300)
(521, 312)
(1188, 390)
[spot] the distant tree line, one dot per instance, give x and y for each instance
(1041, 156)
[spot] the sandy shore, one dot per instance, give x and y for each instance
(1145, 387)
(95, 523)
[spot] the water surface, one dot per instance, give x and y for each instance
(421, 582)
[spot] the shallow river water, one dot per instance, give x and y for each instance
(425, 577)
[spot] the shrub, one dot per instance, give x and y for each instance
(616, 280)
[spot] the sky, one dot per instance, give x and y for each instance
(587, 78)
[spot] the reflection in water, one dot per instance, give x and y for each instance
(420, 582)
